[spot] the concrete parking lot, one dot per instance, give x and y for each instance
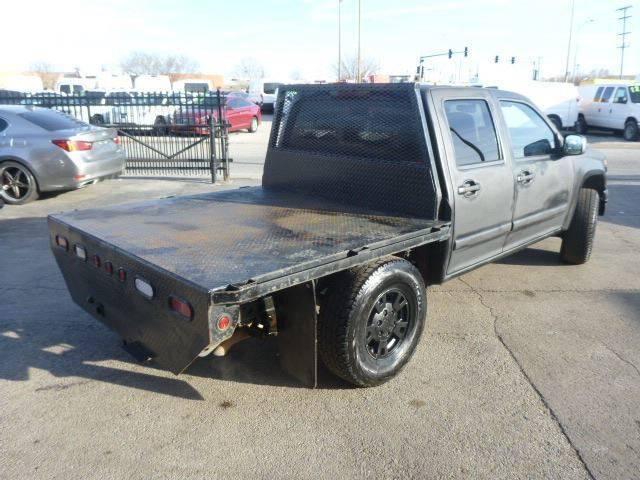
(528, 369)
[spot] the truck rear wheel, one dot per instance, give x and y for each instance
(577, 241)
(631, 132)
(371, 320)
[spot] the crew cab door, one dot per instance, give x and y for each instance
(543, 177)
(482, 180)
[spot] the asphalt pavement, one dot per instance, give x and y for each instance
(528, 368)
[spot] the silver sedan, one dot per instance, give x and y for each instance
(44, 150)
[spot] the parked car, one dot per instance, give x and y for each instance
(264, 93)
(43, 150)
(240, 114)
(613, 107)
(360, 208)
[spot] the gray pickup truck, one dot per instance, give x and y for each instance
(369, 194)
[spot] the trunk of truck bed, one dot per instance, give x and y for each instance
(316, 214)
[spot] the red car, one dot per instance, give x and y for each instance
(241, 114)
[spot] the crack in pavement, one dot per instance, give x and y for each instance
(544, 401)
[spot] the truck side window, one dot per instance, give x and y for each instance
(596, 98)
(621, 95)
(530, 134)
(472, 131)
(606, 95)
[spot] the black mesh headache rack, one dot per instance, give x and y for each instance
(348, 178)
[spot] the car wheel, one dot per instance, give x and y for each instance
(253, 128)
(630, 131)
(577, 241)
(160, 126)
(97, 120)
(18, 185)
(371, 320)
(581, 126)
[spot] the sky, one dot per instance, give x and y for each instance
(299, 38)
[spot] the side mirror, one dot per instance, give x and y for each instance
(574, 145)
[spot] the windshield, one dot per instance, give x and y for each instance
(634, 93)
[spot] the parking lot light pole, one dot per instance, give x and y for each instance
(339, 40)
(359, 80)
(575, 53)
(566, 70)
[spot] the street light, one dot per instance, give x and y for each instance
(566, 70)
(575, 53)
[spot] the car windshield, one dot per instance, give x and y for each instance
(52, 120)
(634, 93)
(206, 101)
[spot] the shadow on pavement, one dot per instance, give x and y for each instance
(532, 257)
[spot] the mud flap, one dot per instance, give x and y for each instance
(297, 332)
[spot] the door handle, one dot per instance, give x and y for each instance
(469, 188)
(525, 177)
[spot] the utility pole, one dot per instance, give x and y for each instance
(566, 70)
(623, 44)
(339, 40)
(359, 22)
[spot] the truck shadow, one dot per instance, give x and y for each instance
(40, 327)
(532, 256)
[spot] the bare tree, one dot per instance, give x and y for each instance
(249, 68)
(45, 71)
(145, 63)
(349, 68)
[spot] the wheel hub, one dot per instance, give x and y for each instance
(388, 324)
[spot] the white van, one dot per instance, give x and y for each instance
(559, 101)
(614, 106)
(264, 93)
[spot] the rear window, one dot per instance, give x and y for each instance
(380, 124)
(51, 120)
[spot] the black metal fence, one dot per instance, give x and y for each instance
(164, 134)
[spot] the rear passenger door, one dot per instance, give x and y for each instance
(481, 175)
(544, 178)
(619, 109)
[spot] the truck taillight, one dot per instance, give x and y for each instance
(117, 140)
(62, 242)
(122, 275)
(181, 307)
(73, 145)
(224, 322)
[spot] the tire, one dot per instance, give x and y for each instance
(253, 128)
(366, 331)
(630, 132)
(557, 122)
(577, 241)
(97, 120)
(160, 126)
(17, 184)
(581, 126)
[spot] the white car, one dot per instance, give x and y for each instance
(613, 106)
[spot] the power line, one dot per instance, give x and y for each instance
(623, 45)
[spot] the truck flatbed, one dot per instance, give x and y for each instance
(243, 243)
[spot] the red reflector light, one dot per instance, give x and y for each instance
(62, 242)
(224, 322)
(96, 261)
(181, 307)
(108, 267)
(117, 140)
(73, 145)
(122, 275)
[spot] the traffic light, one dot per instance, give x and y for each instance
(497, 59)
(450, 53)
(513, 60)
(466, 51)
